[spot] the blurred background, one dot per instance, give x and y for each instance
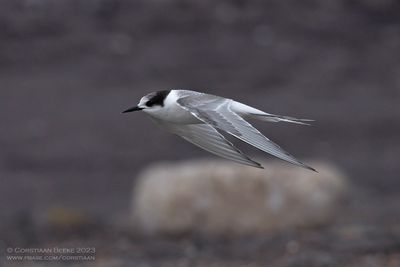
(69, 157)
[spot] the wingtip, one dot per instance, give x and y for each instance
(256, 165)
(312, 169)
(307, 167)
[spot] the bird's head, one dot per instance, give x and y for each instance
(151, 102)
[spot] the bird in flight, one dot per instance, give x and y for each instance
(199, 118)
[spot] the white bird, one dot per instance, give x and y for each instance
(199, 118)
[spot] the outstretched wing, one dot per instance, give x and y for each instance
(216, 111)
(208, 138)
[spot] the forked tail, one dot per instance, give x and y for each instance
(279, 118)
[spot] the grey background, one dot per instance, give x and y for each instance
(68, 68)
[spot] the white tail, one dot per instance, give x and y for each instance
(246, 111)
(278, 118)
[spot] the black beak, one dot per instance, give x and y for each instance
(132, 109)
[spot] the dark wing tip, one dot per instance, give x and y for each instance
(311, 169)
(301, 164)
(259, 166)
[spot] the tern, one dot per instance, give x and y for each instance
(199, 118)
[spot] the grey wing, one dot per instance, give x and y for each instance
(216, 111)
(208, 138)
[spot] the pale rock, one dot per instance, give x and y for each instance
(222, 198)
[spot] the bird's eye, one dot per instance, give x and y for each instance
(149, 103)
